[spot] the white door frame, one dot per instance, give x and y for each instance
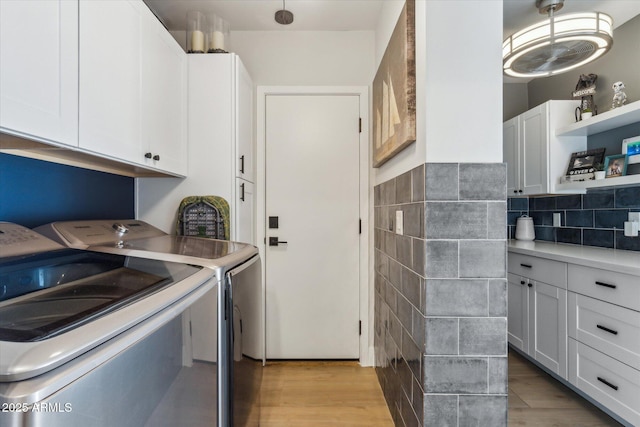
(366, 292)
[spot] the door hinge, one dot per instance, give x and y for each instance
(360, 125)
(359, 327)
(360, 226)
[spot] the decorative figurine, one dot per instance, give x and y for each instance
(619, 97)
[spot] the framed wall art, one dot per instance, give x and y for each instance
(394, 91)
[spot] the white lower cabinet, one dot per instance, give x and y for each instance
(581, 323)
(607, 380)
(604, 343)
(548, 327)
(537, 316)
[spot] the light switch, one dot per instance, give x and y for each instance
(399, 222)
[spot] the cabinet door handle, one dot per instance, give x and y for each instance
(530, 285)
(603, 381)
(242, 192)
(522, 282)
(525, 265)
(147, 155)
(156, 157)
(242, 164)
(606, 285)
(604, 328)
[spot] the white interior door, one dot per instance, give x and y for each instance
(312, 187)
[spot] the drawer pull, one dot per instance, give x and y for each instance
(603, 381)
(611, 331)
(606, 285)
(525, 265)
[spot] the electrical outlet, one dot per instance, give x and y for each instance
(399, 223)
(631, 229)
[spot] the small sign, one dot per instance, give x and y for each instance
(591, 90)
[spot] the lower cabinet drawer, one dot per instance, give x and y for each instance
(610, 382)
(540, 269)
(616, 288)
(608, 328)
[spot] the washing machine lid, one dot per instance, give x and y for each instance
(59, 304)
(51, 293)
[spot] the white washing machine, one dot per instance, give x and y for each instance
(235, 312)
(96, 339)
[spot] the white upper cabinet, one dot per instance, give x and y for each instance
(164, 98)
(510, 152)
(110, 78)
(536, 158)
(39, 70)
(132, 86)
(244, 123)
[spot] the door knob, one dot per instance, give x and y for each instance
(273, 241)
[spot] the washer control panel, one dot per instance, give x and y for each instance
(81, 234)
(18, 240)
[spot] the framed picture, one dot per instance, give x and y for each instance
(581, 164)
(615, 165)
(631, 146)
(394, 91)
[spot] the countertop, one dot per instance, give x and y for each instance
(589, 256)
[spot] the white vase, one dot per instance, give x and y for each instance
(586, 115)
(600, 174)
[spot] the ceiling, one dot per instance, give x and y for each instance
(358, 15)
(354, 15)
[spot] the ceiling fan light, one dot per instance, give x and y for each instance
(590, 34)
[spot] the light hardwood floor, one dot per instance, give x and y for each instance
(538, 400)
(320, 394)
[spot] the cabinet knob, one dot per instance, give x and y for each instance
(147, 155)
(519, 191)
(156, 157)
(530, 285)
(522, 282)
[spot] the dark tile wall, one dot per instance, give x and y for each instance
(593, 219)
(440, 295)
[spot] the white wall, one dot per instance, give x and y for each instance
(463, 78)
(294, 58)
(326, 58)
(458, 69)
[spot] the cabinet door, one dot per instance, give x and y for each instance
(510, 150)
(244, 123)
(163, 97)
(39, 69)
(518, 312)
(548, 327)
(244, 212)
(533, 150)
(110, 78)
